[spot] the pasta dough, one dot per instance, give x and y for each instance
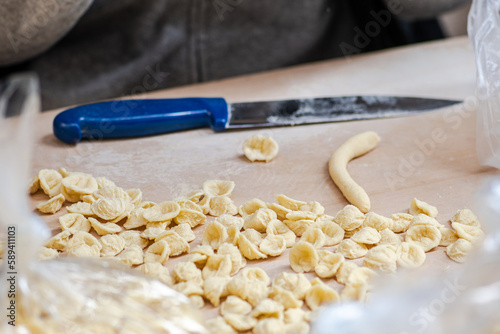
(352, 148)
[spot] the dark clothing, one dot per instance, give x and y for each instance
(129, 47)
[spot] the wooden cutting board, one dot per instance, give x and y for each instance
(430, 156)
(420, 156)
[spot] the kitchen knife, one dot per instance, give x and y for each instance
(134, 118)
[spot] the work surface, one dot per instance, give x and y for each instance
(430, 156)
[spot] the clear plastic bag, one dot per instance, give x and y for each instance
(484, 32)
(461, 301)
(67, 295)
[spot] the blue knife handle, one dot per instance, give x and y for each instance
(135, 118)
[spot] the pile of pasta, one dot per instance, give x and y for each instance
(114, 224)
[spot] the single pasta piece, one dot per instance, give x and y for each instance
(256, 274)
(135, 195)
(298, 327)
(410, 255)
(158, 252)
(289, 203)
(303, 257)
(351, 249)
(215, 234)
(329, 263)
(251, 206)
(268, 308)
(234, 304)
(260, 148)
(320, 294)
(134, 238)
(109, 208)
(294, 315)
(217, 265)
(273, 245)
(388, 237)
(219, 205)
(280, 210)
(315, 236)
(259, 219)
(104, 228)
(240, 322)
(277, 227)
(112, 244)
(82, 208)
(367, 236)
(334, 234)
(34, 184)
(50, 181)
(352, 148)
(269, 326)
(418, 207)
(382, 258)
(214, 288)
(458, 250)
(353, 292)
(176, 243)
(184, 230)
(156, 270)
(230, 221)
(425, 236)
(298, 284)
(76, 185)
(362, 275)
(58, 241)
(186, 272)
(191, 217)
(219, 325)
(314, 207)
(162, 212)
(467, 232)
(299, 226)
(422, 219)
(350, 218)
(345, 271)
(111, 192)
(466, 217)
(52, 205)
(214, 188)
(249, 250)
(448, 237)
(400, 222)
(376, 221)
(284, 297)
(45, 254)
(131, 256)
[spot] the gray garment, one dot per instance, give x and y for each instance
(30, 27)
(130, 47)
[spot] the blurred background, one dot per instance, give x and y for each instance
(454, 23)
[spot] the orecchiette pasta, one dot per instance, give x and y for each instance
(319, 294)
(381, 258)
(425, 236)
(418, 207)
(260, 148)
(351, 249)
(410, 255)
(350, 218)
(367, 236)
(303, 257)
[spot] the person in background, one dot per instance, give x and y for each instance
(84, 50)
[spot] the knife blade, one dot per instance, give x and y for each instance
(135, 118)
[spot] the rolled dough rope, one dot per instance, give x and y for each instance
(337, 166)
